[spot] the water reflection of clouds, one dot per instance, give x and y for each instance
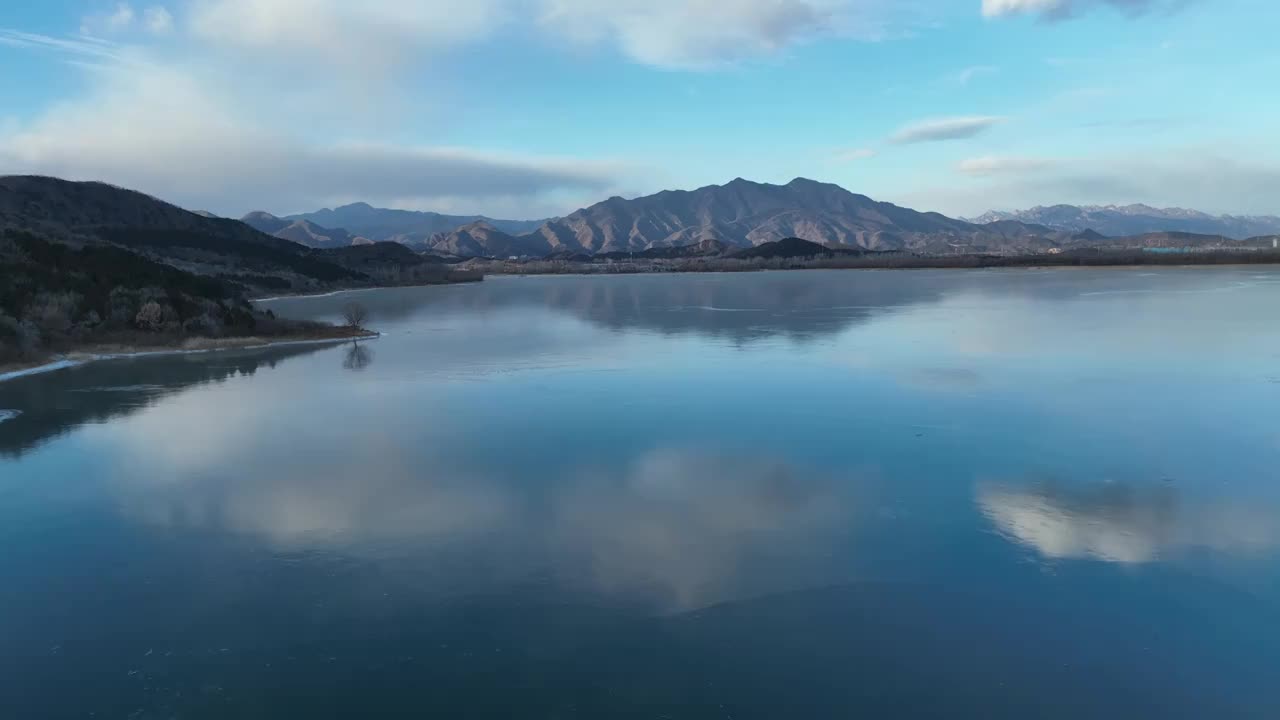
(675, 529)
(1122, 523)
(696, 527)
(360, 492)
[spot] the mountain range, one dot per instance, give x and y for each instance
(360, 223)
(1121, 220)
(313, 249)
(743, 214)
(739, 214)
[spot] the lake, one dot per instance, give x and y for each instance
(951, 494)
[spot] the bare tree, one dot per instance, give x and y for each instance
(150, 317)
(355, 314)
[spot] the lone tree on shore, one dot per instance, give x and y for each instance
(355, 314)
(150, 317)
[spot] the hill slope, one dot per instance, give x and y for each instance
(88, 263)
(90, 212)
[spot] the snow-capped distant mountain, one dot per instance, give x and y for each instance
(1120, 220)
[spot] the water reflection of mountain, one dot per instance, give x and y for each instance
(53, 403)
(743, 307)
(746, 307)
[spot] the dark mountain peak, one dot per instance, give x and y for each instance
(802, 182)
(364, 206)
(115, 220)
(64, 208)
(1088, 235)
(790, 247)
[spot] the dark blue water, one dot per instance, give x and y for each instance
(777, 495)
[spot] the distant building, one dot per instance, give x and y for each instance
(1055, 251)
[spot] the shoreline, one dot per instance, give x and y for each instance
(331, 293)
(1127, 259)
(84, 357)
(343, 291)
(911, 268)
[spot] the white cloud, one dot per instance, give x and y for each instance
(674, 34)
(375, 34)
(184, 137)
(854, 155)
(157, 20)
(1057, 9)
(369, 33)
(701, 34)
(123, 18)
(1006, 164)
(77, 47)
(951, 128)
(966, 75)
(120, 19)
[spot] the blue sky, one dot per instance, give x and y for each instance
(525, 108)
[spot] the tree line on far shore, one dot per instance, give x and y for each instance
(887, 261)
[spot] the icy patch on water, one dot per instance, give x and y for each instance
(710, 308)
(59, 365)
(120, 388)
(317, 295)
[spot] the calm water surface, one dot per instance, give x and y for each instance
(779, 495)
